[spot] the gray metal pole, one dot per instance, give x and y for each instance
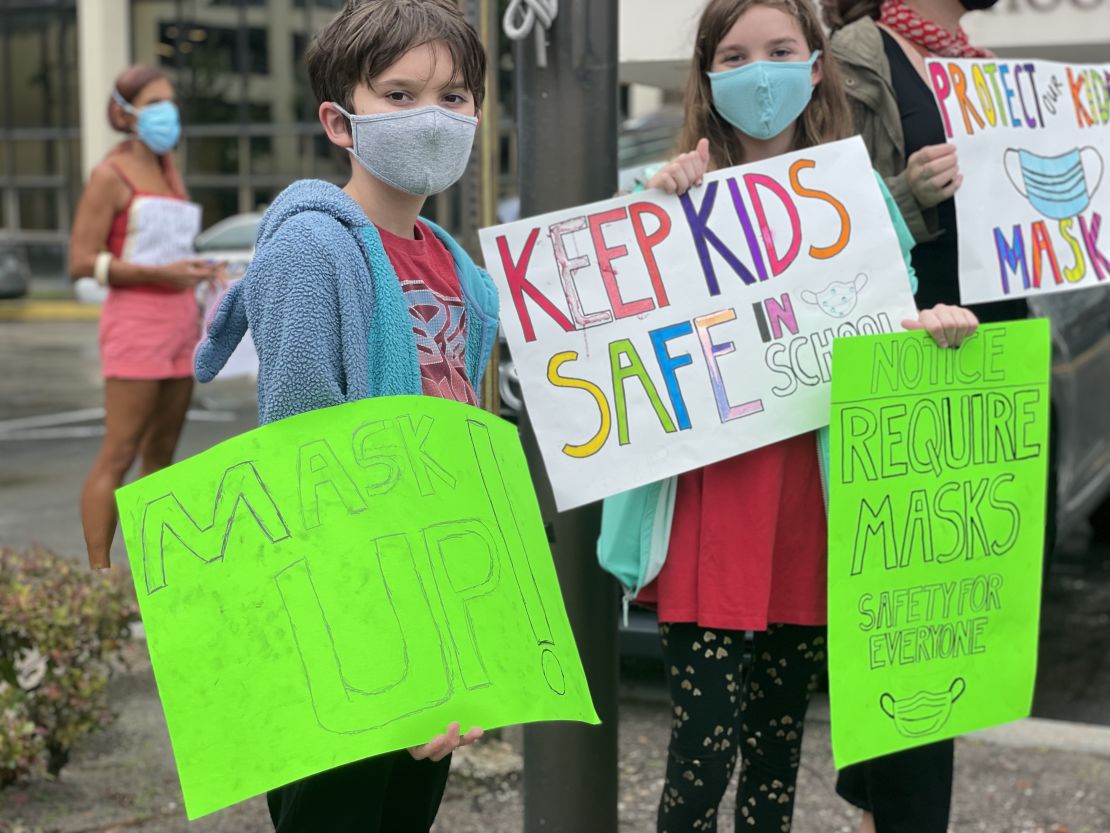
(567, 129)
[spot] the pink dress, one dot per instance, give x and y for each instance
(149, 331)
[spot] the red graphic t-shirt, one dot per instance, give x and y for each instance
(431, 286)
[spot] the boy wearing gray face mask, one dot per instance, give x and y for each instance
(352, 295)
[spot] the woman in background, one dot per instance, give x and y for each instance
(134, 233)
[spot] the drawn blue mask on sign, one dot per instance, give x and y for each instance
(1056, 186)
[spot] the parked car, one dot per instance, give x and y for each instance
(15, 271)
(230, 241)
(1080, 323)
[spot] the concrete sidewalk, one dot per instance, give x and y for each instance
(1037, 776)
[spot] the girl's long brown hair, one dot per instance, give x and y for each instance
(826, 118)
(129, 84)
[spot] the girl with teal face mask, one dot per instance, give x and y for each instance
(746, 548)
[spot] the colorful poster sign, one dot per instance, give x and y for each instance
(1033, 139)
(936, 535)
(343, 583)
(654, 334)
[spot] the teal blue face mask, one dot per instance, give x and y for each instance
(158, 125)
(764, 98)
(1058, 187)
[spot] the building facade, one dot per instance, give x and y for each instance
(250, 120)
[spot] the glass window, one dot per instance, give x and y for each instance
(39, 73)
(238, 65)
(38, 209)
(262, 155)
(38, 92)
(213, 155)
(263, 197)
(218, 203)
(33, 158)
(330, 161)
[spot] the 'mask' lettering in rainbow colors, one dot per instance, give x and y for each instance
(654, 334)
(1033, 139)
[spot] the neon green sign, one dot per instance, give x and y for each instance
(936, 534)
(344, 583)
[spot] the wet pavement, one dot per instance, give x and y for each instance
(123, 780)
(51, 423)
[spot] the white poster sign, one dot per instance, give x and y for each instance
(243, 361)
(655, 334)
(1033, 139)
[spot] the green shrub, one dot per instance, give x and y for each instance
(61, 631)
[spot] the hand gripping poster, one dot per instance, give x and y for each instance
(1033, 139)
(654, 334)
(343, 583)
(936, 534)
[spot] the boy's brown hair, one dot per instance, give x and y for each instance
(828, 116)
(369, 36)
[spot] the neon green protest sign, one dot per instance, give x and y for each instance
(936, 534)
(344, 583)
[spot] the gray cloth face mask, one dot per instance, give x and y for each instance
(422, 151)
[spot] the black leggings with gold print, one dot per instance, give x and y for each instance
(720, 711)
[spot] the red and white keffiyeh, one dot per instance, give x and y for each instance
(899, 17)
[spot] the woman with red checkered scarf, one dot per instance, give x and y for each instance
(881, 46)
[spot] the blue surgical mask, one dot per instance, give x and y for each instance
(1056, 186)
(764, 98)
(158, 125)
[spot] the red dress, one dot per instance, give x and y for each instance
(748, 542)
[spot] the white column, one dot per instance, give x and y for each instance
(103, 51)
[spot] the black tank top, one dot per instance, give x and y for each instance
(937, 261)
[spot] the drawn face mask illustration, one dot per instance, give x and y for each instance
(839, 298)
(1058, 187)
(925, 712)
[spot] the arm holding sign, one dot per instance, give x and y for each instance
(683, 172)
(443, 745)
(949, 325)
(933, 174)
(858, 46)
(291, 299)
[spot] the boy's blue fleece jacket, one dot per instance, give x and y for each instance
(327, 312)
